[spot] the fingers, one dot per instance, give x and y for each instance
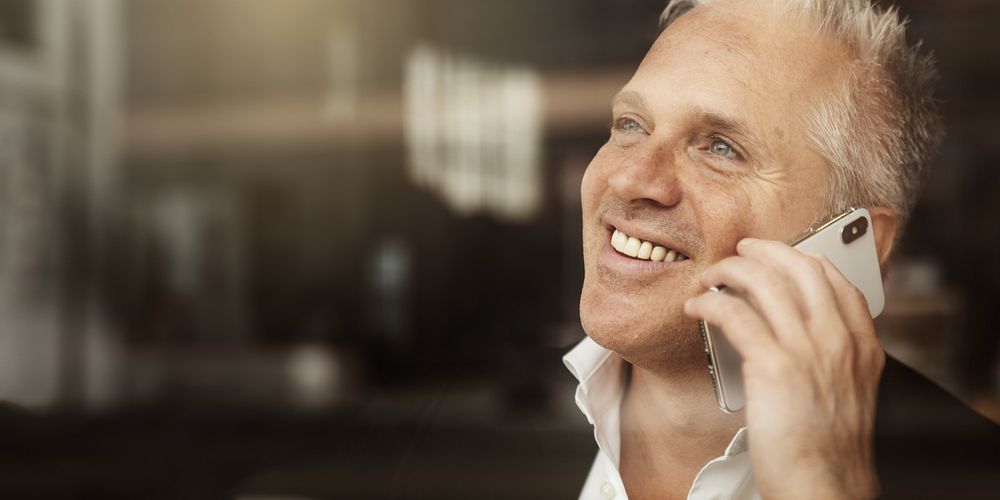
(851, 302)
(806, 273)
(801, 302)
(740, 322)
(766, 290)
(791, 289)
(853, 309)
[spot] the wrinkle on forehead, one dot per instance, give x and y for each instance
(765, 67)
(749, 36)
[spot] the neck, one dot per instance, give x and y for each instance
(671, 427)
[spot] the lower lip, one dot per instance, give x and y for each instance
(625, 264)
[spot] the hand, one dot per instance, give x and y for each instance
(811, 368)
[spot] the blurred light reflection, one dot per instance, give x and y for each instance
(474, 133)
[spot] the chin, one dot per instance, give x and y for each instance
(667, 343)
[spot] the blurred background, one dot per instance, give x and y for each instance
(331, 248)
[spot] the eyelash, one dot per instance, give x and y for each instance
(737, 155)
(619, 124)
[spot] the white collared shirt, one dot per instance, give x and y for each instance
(602, 381)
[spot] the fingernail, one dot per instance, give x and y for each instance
(687, 304)
(746, 241)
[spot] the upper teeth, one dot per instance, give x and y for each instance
(634, 247)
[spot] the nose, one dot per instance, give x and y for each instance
(647, 174)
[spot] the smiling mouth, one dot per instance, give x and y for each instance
(643, 250)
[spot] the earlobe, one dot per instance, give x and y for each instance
(884, 225)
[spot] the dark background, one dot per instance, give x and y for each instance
(221, 279)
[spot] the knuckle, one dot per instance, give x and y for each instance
(880, 359)
(875, 352)
(812, 266)
(858, 296)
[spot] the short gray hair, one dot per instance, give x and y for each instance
(879, 130)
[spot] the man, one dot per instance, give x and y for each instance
(746, 123)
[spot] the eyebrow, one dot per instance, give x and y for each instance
(727, 125)
(723, 123)
(629, 98)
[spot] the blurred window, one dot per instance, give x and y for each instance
(474, 133)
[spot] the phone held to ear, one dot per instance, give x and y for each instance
(848, 241)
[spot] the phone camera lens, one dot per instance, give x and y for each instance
(854, 230)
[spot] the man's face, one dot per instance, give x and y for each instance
(707, 147)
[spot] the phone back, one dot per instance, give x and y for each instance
(857, 260)
(849, 243)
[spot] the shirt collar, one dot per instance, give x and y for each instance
(602, 374)
(738, 444)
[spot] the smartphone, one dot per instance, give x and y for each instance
(848, 241)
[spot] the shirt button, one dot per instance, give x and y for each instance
(607, 491)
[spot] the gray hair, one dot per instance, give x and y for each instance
(879, 129)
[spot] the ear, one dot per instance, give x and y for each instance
(884, 224)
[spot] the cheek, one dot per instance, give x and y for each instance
(595, 180)
(783, 216)
(587, 191)
(726, 213)
(592, 189)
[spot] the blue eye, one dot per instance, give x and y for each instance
(628, 125)
(721, 148)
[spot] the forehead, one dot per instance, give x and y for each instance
(738, 59)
